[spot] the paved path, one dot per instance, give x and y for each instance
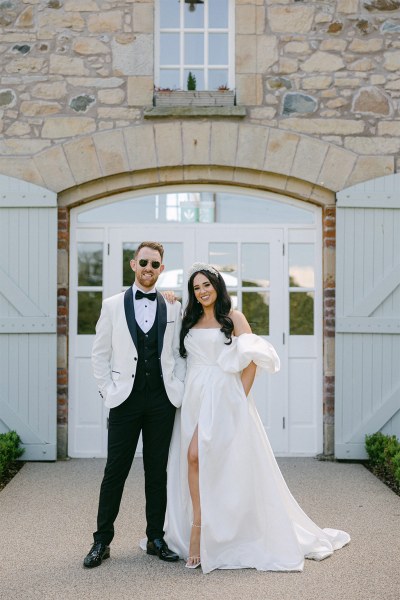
(47, 514)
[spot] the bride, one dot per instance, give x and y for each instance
(228, 505)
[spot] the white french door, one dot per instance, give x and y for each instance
(87, 416)
(251, 261)
(270, 276)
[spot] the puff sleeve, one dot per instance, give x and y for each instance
(246, 348)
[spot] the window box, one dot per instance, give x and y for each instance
(194, 98)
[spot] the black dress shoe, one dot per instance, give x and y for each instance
(97, 554)
(158, 547)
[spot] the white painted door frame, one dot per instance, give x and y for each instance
(299, 354)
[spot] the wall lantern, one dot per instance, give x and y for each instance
(192, 4)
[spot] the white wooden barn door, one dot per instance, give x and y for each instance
(28, 305)
(367, 396)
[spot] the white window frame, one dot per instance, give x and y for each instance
(230, 30)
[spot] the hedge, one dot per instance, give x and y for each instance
(9, 451)
(384, 454)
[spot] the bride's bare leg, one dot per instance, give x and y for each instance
(193, 478)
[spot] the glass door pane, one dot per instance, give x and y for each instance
(255, 270)
(255, 273)
(89, 289)
(255, 306)
(301, 288)
(301, 313)
(224, 257)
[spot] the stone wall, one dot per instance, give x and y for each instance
(320, 81)
(327, 68)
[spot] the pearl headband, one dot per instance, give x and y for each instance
(198, 266)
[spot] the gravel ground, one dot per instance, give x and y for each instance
(48, 512)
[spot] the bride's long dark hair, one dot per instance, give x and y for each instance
(194, 309)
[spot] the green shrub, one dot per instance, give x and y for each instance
(384, 457)
(9, 450)
(396, 467)
(375, 445)
(391, 449)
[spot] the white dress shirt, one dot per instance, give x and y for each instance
(145, 310)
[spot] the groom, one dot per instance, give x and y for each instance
(140, 373)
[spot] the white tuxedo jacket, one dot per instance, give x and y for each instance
(115, 355)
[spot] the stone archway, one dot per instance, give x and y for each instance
(155, 146)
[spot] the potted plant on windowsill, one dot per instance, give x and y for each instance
(223, 96)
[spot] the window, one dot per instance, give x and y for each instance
(199, 207)
(197, 38)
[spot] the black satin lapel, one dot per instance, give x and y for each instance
(162, 321)
(130, 314)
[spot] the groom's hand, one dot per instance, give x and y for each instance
(169, 296)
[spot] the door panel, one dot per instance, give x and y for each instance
(28, 316)
(367, 315)
(87, 415)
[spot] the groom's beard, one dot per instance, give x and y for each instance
(146, 279)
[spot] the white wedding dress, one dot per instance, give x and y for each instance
(249, 517)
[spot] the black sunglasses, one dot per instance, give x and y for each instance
(154, 263)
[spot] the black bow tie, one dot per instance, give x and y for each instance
(139, 295)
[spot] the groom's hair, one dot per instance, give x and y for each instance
(153, 245)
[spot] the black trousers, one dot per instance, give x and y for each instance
(152, 414)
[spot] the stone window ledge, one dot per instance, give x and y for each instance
(156, 112)
(180, 103)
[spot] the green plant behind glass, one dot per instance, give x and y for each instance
(191, 82)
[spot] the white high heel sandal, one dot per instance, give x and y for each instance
(195, 560)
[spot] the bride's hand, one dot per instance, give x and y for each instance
(169, 296)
